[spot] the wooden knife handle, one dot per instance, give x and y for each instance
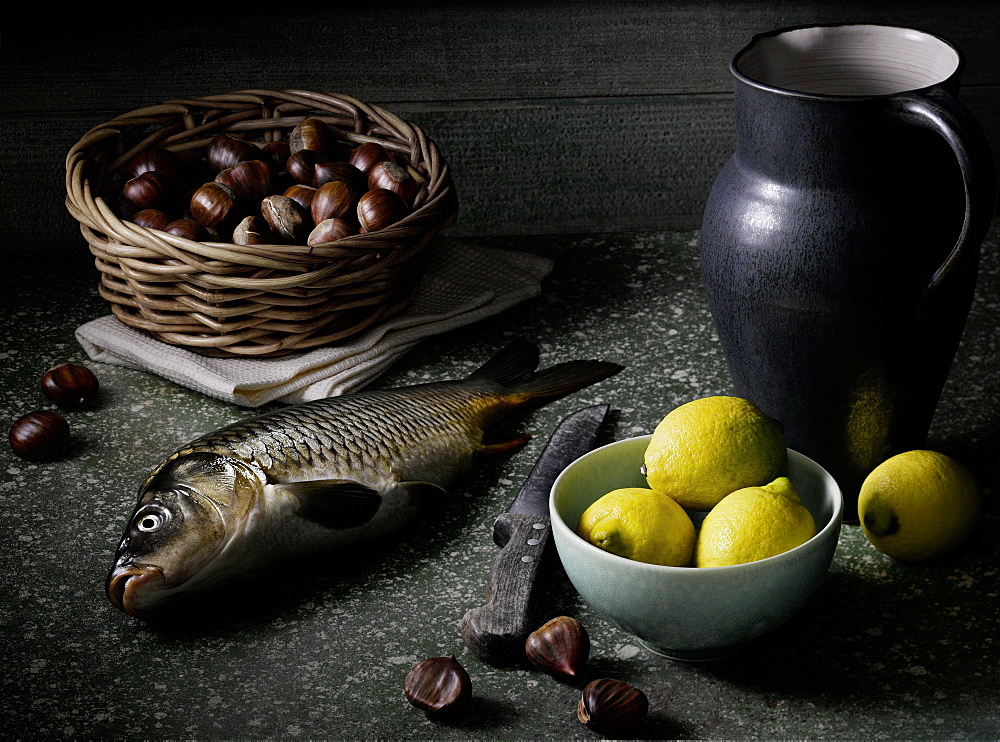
(496, 631)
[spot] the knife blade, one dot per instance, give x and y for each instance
(495, 632)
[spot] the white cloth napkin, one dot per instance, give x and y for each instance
(463, 283)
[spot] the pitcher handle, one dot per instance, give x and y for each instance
(941, 113)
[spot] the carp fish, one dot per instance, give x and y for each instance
(319, 476)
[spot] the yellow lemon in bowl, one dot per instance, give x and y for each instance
(640, 524)
(754, 523)
(707, 448)
(919, 505)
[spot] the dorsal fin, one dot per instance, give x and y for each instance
(513, 368)
(511, 365)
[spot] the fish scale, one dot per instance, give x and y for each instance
(346, 432)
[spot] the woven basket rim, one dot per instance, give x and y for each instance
(140, 266)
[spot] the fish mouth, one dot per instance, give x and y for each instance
(127, 585)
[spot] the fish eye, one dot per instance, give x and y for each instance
(150, 520)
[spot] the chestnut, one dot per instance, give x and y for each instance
(438, 686)
(378, 208)
(286, 219)
(335, 199)
(559, 647)
(612, 708)
(224, 151)
(151, 190)
(369, 154)
(253, 230)
(126, 209)
(39, 436)
(394, 178)
(302, 194)
(70, 386)
(189, 229)
(160, 160)
(151, 218)
(301, 165)
(316, 135)
(330, 230)
(277, 153)
(249, 179)
(213, 204)
(324, 172)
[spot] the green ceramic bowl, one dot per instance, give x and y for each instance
(686, 612)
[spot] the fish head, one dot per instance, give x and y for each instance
(190, 513)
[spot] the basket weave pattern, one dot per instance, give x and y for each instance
(226, 299)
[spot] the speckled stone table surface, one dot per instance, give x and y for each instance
(882, 650)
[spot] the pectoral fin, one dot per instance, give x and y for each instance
(422, 493)
(334, 503)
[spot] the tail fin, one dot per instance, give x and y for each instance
(514, 368)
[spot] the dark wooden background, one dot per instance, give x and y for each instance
(555, 116)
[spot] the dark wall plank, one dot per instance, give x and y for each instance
(555, 116)
(437, 51)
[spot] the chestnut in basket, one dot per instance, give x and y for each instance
(302, 194)
(369, 154)
(301, 165)
(316, 135)
(249, 179)
(151, 190)
(330, 230)
(225, 151)
(234, 179)
(277, 153)
(189, 229)
(335, 199)
(160, 160)
(287, 220)
(378, 208)
(151, 218)
(394, 178)
(215, 204)
(324, 172)
(253, 230)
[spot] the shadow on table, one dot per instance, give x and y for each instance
(897, 623)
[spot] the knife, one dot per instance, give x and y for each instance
(496, 632)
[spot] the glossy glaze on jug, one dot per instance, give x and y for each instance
(840, 252)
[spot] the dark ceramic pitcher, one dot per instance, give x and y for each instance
(840, 243)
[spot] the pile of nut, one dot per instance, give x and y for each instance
(441, 686)
(43, 435)
(311, 189)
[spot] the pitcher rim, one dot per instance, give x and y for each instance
(834, 97)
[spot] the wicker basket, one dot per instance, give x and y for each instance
(224, 299)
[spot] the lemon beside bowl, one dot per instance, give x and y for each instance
(690, 613)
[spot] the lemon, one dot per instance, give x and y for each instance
(640, 524)
(918, 505)
(709, 447)
(753, 523)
